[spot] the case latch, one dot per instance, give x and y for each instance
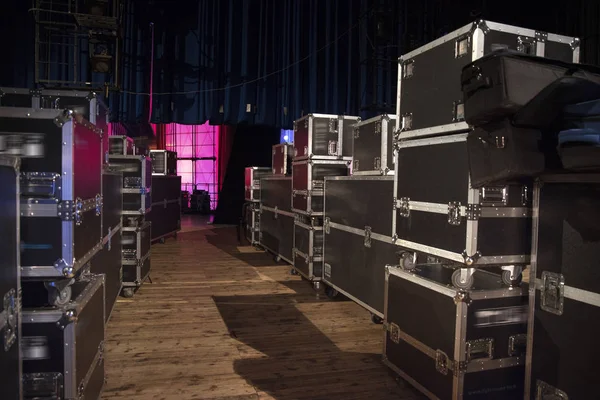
(517, 345)
(462, 45)
(327, 270)
(526, 45)
(493, 196)
(442, 363)
(8, 318)
(333, 125)
(394, 333)
(377, 163)
(454, 213)
(458, 111)
(546, 392)
(408, 69)
(552, 292)
(526, 195)
(356, 132)
(332, 148)
(367, 240)
(404, 207)
(480, 349)
(355, 165)
(326, 227)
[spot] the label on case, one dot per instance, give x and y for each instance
(500, 316)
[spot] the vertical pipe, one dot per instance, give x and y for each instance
(151, 69)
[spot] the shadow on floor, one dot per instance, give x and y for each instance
(286, 356)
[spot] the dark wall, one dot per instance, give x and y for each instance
(251, 148)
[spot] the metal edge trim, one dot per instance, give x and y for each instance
(354, 299)
(358, 232)
(373, 173)
(35, 113)
(86, 379)
(90, 290)
(356, 177)
(70, 361)
(431, 132)
(446, 38)
(497, 363)
(498, 293)
(496, 26)
(431, 250)
(413, 278)
(454, 138)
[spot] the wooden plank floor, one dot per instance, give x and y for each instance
(225, 322)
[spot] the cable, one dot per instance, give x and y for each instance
(260, 77)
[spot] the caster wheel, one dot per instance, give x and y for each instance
(407, 261)
(128, 292)
(458, 283)
(511, 282)
(59, 298)
(277, 259)
(162, 240)
(293, 271)
(331, 292)
(377, 320)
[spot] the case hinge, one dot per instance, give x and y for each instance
(406, 122)
(541, 37)
(332, 148)
(546, 392)
(526, 195)
(378, 128)
(552, 292)
(404, 207)
(326, 227)
(473, 212)
(454, 213)
(8, 318)
(377, 164)
(356, 132)
(480, 349)
(517, 345)
(367, 240)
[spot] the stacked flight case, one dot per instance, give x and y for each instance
(10, 279)
(165, 214)
(60, 205)
(137, 203)
(446, 228)
(564, 299)
(276, 229)
(251, 212)
(322, 148)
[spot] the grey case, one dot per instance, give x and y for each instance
(374, 146)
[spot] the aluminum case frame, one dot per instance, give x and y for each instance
(277, 232)
(469, 215)
(485, 335)
(252, 223)
(61, 191)
(136, 260)
(120, 145)
(308, 248)
(53, 357)
(335, 129)
(469, 43)
(137, 182)
(252, 177)
(560, 362)
(10, 279)
(361, 246)
(308, 181)
(374, 140)
(167, 165)
(281, 158)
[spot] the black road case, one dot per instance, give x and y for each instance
(438, 213)
(429, 88)
(112, 201)
(276, 192)
(121, 146)
(61, 201)
(308, 180)
(323, 136)
(565, 302)
(281, 160)
(252, 181)
(137, 182)
(252, 222)
(165, 214)
(136, 242)
(357, 238)
(308, 247)
(374, 146)
(455, 344)
(277, 232)
(164, 162)
(63, 348)
(108, 261)
(10, 282)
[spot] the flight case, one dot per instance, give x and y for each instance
(276, 217)
(374, 146)
(565, 300)
(323, 136)
(308, 179)
(455, 344)
(252, 181)
(136, 256)
(430, 103)
(308, 246)
(10, 279)
(165, 214)
(438, 213)
(357, 241)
